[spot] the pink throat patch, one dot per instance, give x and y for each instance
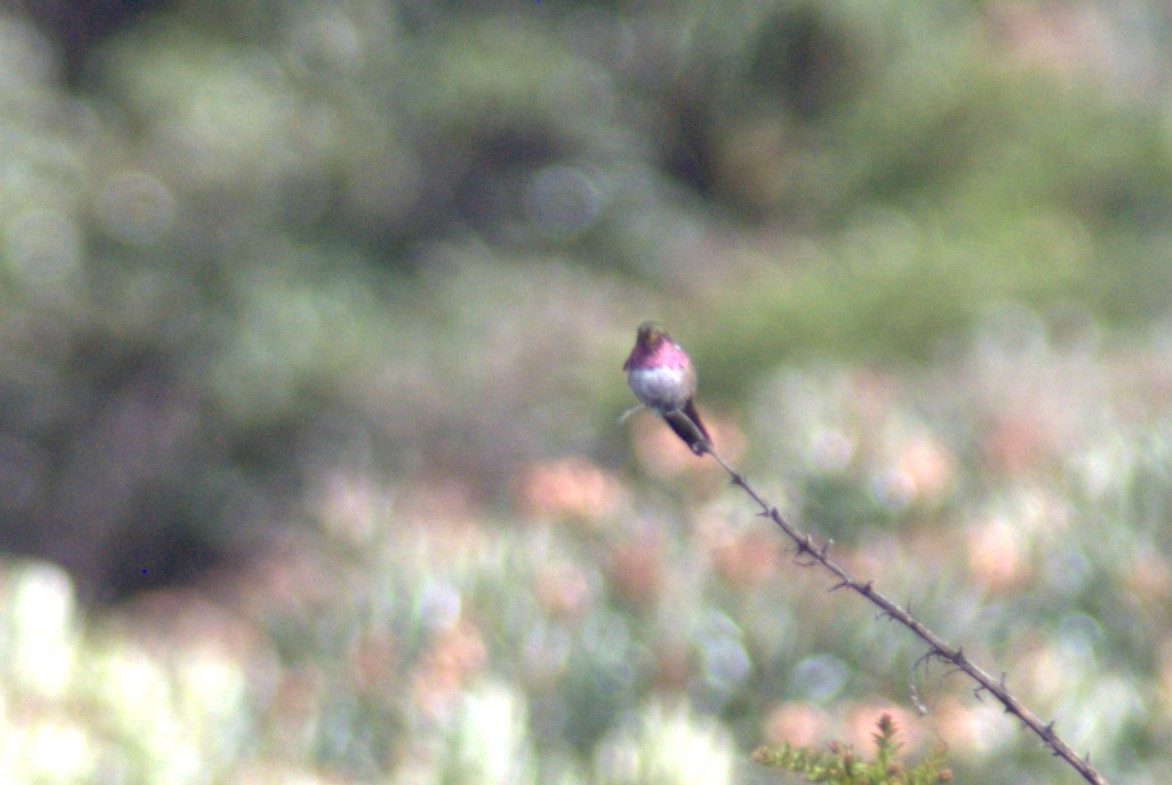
(666, 355)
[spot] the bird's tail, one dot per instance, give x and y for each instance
(688, 426)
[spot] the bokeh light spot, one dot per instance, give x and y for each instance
(44, 247)
(135, 208)
(562, 201)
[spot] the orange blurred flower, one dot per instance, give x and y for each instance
(570, 488)
(453, 658)
(563, 589)
(637, 571)
(798, 724)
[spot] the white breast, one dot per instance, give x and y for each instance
(661, 388)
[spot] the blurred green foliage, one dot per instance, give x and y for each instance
(320, 307)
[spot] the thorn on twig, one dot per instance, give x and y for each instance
(803, 544)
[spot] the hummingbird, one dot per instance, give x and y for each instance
(662, 377)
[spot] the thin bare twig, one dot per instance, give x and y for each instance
(810, 553)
